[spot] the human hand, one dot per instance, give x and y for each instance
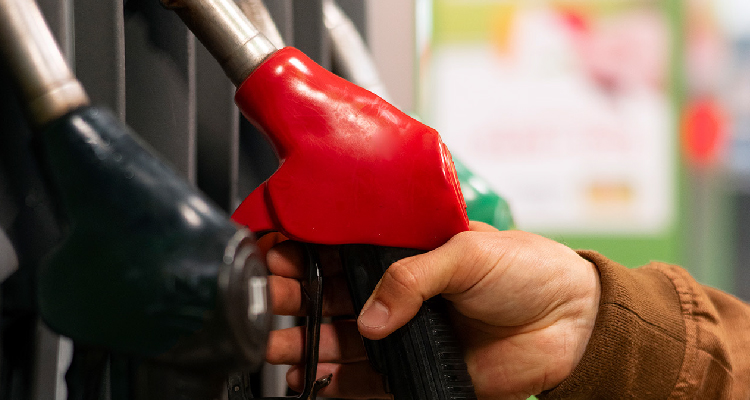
(525, 305)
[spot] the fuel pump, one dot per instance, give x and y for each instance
(148, 267)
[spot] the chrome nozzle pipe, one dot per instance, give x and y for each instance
(259, 16)
(350, 54)
(33, 58)
(220, 25)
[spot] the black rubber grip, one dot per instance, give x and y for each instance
(422, 360)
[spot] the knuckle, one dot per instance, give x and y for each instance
(470, 244)
(403, 274)
(462, 237)
(477, 253)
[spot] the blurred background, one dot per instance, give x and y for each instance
(621, 126)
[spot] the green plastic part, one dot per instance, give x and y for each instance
(482, 203)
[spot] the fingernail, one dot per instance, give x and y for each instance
(375, 315)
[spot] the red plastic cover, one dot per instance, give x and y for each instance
(354, 169)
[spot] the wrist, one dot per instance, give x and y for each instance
(578, 326)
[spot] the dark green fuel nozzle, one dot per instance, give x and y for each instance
(148, 261)
(149, 267)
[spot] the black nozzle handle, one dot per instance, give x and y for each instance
(421, 360)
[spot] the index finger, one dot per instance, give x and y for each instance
(267, 241)
(287, 259)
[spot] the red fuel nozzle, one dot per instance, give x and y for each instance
(354, 169)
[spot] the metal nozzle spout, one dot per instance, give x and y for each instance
(259, 16)
(351, 58)
(33, 58)
(225, 31)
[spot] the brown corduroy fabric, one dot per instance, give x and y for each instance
(661, 335)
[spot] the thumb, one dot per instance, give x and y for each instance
(406, 284)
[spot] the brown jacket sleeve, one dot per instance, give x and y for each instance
(661, 335)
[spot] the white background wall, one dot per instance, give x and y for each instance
(392, 38)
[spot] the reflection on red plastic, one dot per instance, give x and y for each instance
(354, 169)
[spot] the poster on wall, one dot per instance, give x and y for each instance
(562, 106)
